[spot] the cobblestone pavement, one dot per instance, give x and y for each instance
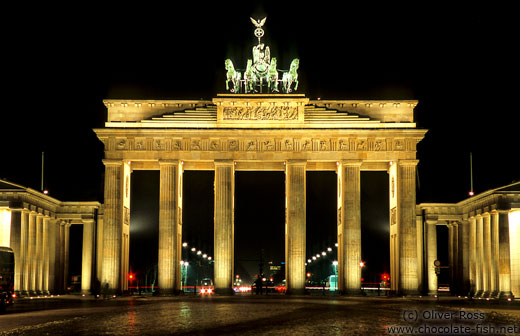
(254, 315)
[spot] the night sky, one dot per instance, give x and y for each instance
(60, 63)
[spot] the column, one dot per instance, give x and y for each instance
(464, 257)
(39, 253)
(45, 263)
(486, 269)
(504, 257)
(115, 186)
(66, 243)
(224, 225)
(53, 251)
(24, 256)
(473, 255)
(451, 256)
(87, 258)
(454, 258)
(431, 232)
(494, 254)
(170, 229)
(349, 227)
(99, 249)
(405, 231)
(480, 257)
(31, 253)
(60, 257)
(15, 239)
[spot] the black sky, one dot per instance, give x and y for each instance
(61, 62)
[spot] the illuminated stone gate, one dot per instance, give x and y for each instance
(272, 132)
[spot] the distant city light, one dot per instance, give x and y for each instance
(184, 244)
(329, 249)
(335, 263)
(323, 253)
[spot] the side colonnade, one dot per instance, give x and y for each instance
(37, 228)
(483, 238)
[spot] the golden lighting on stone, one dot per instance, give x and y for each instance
(514, 243)
(5, 227)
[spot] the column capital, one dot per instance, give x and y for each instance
(223, 162)
(163, 162)
(407, 162)
(352, 163)
(112, 162)
(296, 162)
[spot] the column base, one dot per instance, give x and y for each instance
(224, 291)
(432, 293)
(506, 295)
(296, 291)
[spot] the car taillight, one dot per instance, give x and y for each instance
(14, 295)
(203, 291)
(210, 291)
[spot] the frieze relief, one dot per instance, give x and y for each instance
(286, 144)
(260, 113)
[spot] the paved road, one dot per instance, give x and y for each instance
(246, 315)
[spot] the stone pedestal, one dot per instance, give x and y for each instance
(170, 229)
(349, 228)
(295, 185)
(224, 226)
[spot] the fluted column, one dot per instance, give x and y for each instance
(480, 256)
(224, 225)
(53, 253)
(66, 244)
(39, 253)
(431, 237)
(454, 235)
(15, 239)
(87, 256)
(473, 255)
(116, 219)
(464, 253)
(99, 249)
(494, 254)
(45, 261)
(349, 227)
(486, 269)
(504, 257)
(295, 230)
(31, 253)
(170, 229)
(61, 257)
(24, 256)
(406, 227)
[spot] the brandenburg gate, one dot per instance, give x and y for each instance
(268, 132)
